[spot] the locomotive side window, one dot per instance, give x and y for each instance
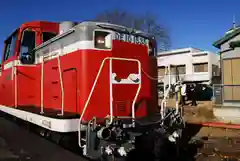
(47, 35)
(10, 45)
(7, 51)
(102, 40)
(28, 43)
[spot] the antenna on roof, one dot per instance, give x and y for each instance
(234, 22)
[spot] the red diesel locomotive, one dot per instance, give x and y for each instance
(89, 78)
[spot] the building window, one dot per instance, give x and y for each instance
(161, 71)
(179, 69)
(200, 67)
(215, 70)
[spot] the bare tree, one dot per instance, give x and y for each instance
(147, 22)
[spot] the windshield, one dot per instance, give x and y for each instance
(10, 45)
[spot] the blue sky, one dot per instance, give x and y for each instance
(191, 23)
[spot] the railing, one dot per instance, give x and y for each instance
(217, 94)
(14, 71)
(61, 84)
(111, 78)
(42, 84)
(166, 93)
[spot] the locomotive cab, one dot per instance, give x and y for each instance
(17, 49)
(20, 44)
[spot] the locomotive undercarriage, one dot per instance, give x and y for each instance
(149, 137)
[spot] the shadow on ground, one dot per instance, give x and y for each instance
(168, 151)
(190, 144)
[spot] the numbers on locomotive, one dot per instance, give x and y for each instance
(131, 38)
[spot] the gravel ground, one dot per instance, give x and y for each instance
(18, 144)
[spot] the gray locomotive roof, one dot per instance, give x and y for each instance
(92, 25)
(96, 23)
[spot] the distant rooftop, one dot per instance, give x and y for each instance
(232, 32)
(193, 51)
(179, 51)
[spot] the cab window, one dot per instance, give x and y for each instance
(10, 45)
(28, 43)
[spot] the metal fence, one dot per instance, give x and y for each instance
(217, 93)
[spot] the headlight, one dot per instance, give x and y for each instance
(102, 40)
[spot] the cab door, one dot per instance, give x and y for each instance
(7, 77)
(27, 72)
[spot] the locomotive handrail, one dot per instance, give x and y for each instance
(111, 99)
(61, 84)
(163, 103)
(42, 82)
(15, 84)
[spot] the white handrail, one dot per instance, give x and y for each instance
(110, 92)
(93, 87)
(163, 103)
(138, 90)
(42, 83)
(15, 84)
(61, 84)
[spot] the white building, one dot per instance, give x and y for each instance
(190, 65)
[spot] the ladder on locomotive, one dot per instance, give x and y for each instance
(112, 81)
(60, 79)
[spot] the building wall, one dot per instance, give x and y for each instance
(189, 59)
(231, 79)
(233, 53)
(230, 73)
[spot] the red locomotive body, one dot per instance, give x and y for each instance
(77, 78)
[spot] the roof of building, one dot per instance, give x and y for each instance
(178, 51)
(193, 51)
(228, 35)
